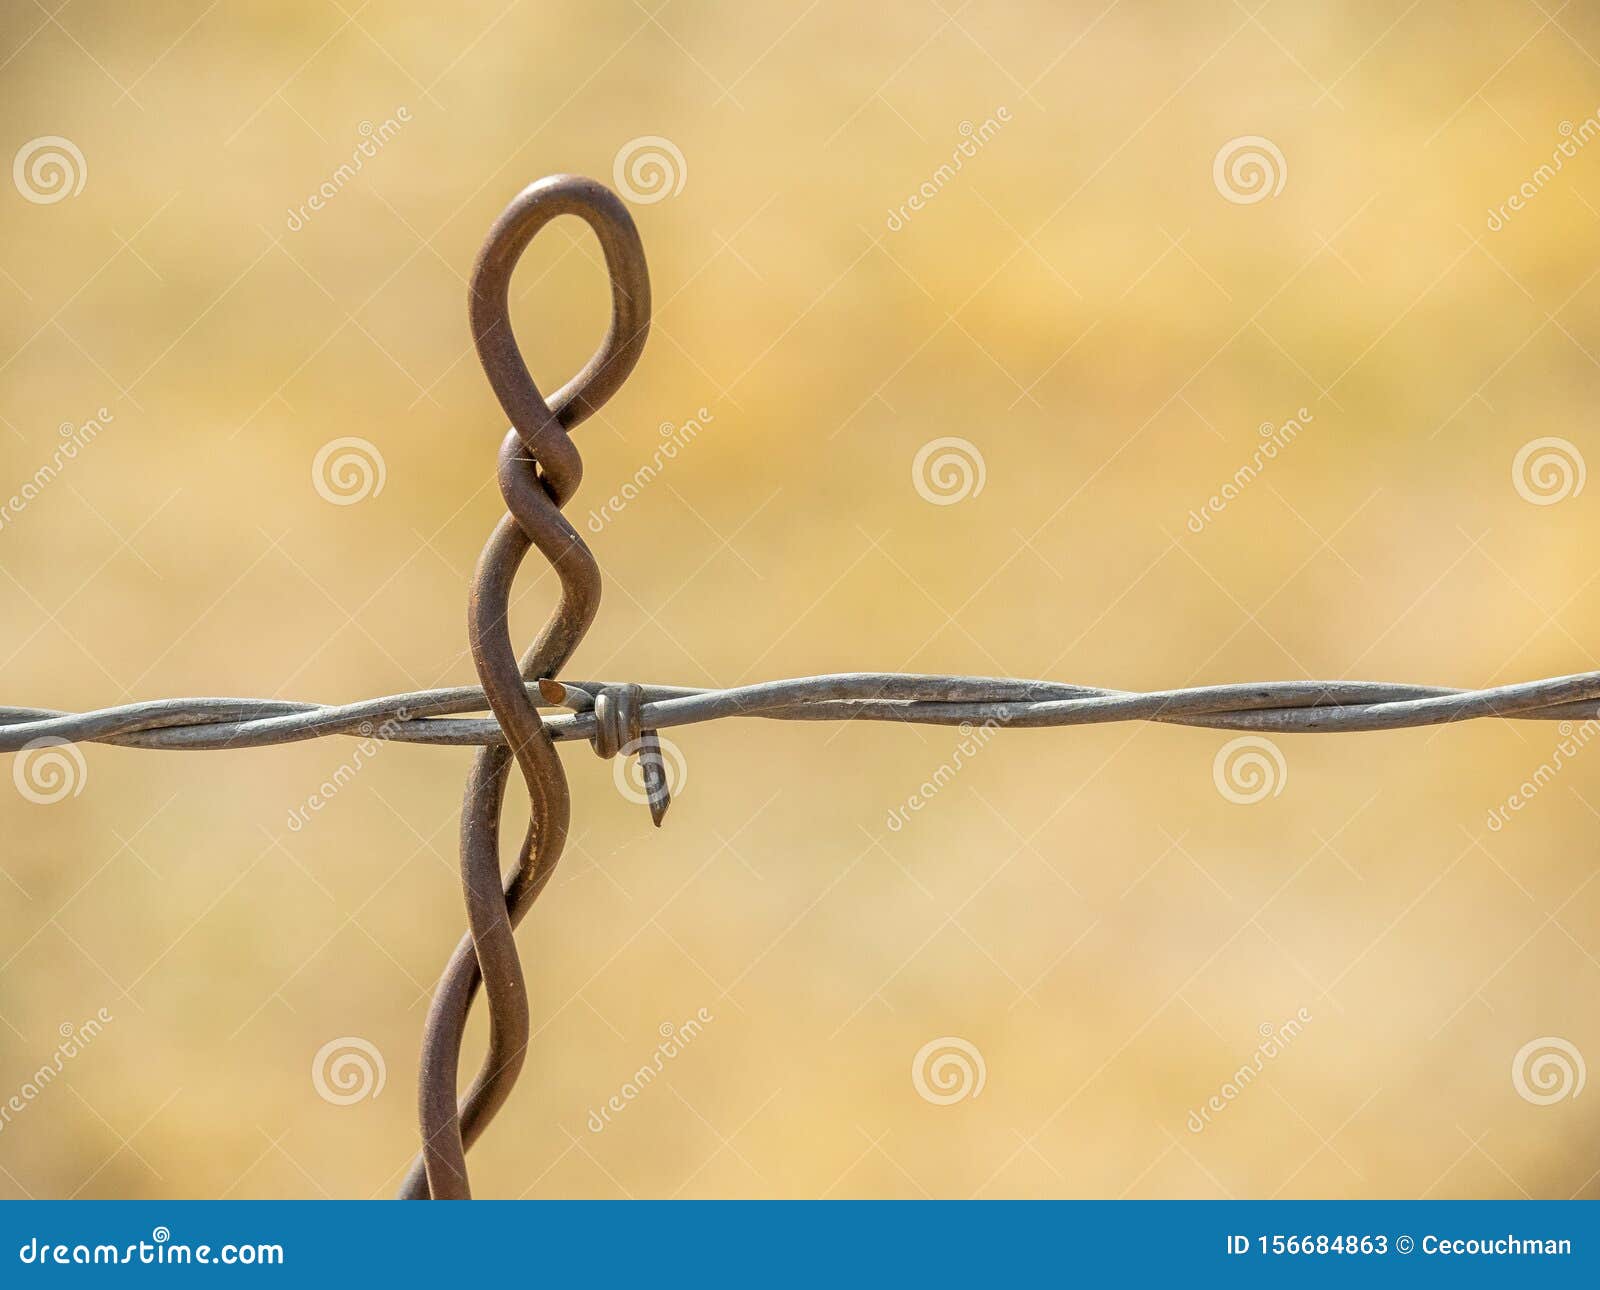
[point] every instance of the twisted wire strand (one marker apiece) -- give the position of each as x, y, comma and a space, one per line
539, 470
426, 716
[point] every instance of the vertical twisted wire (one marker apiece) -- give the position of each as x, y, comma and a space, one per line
539, 470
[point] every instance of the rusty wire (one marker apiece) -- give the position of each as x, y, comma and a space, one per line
539, 470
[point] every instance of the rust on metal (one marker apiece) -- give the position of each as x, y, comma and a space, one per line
539, 469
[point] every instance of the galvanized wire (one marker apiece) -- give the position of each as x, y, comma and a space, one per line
539, 470
424, 716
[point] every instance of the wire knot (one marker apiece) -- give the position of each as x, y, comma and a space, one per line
617, 712
618, 715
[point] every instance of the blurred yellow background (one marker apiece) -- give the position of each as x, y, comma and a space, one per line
1099, 304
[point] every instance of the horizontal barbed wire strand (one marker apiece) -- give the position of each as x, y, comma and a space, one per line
538, 470
430, 716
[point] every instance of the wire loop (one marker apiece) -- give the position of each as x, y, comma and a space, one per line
539, 469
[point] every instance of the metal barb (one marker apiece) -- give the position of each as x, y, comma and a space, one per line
653, 766
619, 731
424, 717
539, 468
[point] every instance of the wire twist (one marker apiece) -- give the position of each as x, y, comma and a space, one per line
539, 470
423, 717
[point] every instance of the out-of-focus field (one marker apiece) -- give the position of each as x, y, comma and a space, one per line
1085, 306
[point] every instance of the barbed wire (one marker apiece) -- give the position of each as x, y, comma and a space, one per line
538, 471
425, 716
